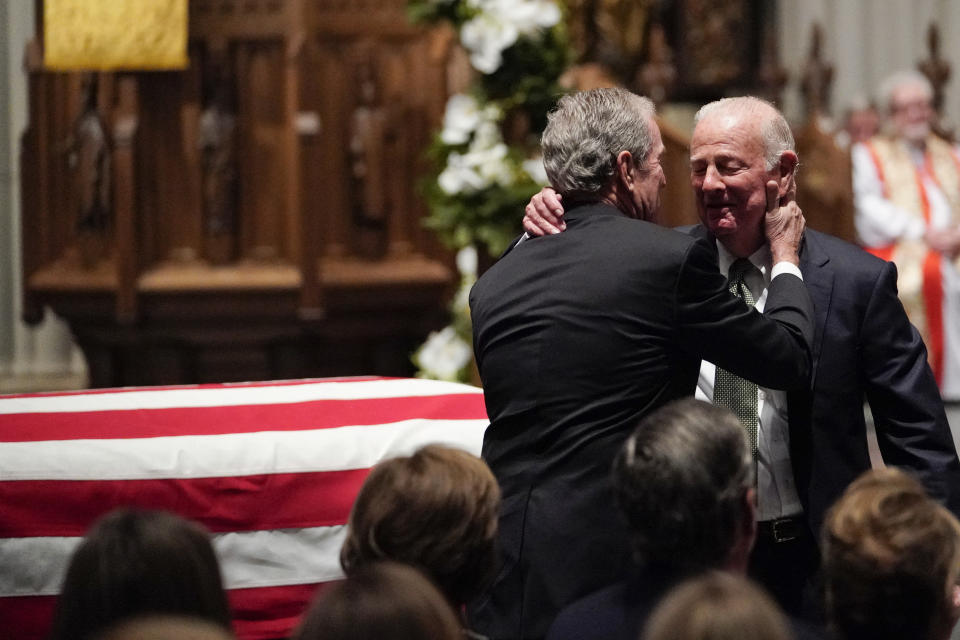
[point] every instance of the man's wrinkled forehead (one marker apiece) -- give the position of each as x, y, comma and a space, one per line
734, 133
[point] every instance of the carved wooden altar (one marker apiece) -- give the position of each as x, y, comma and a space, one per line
254, 216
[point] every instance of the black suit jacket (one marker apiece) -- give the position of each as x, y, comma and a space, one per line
620, 611
577, 336
864, 349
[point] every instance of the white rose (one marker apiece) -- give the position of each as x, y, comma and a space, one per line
526, 16
485, 36
492, 166
461, 117
486, 136
461, 175
444, 354
467, 261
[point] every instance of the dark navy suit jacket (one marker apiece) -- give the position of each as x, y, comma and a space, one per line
864, 349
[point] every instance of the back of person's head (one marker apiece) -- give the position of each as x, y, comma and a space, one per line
684, 481
717, 606
891, 558
437, 510
135, 562
381, 600
165, 628
587, 131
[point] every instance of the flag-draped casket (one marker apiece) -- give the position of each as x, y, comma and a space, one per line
271, 469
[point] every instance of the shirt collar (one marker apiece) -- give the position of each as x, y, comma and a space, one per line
761, 259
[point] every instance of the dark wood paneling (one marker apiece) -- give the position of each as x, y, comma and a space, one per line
246, 237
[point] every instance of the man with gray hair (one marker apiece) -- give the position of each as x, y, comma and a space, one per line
811, 442
577, 336
684, 482
906, 185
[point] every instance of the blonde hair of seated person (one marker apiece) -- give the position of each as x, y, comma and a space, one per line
891, 559
717, 606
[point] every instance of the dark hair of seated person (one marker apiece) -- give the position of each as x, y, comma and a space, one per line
717, 606
382, 600
435, 510
135, 562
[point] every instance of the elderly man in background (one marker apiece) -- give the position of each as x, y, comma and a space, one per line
578, 336
907, 199
812, 442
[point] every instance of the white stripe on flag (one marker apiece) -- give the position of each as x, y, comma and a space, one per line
234, 396
37, 566
234, 454
280, 556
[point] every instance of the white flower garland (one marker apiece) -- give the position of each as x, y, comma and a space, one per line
481, 159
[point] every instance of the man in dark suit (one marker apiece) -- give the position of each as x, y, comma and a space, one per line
579, 335
684, 480
812, 441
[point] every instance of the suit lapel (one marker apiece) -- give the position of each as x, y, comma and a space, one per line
819, 280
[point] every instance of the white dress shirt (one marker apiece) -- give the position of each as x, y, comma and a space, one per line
776, 491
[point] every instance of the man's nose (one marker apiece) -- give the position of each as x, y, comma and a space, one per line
711, 179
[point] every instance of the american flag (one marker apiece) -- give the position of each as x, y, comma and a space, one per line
271, 469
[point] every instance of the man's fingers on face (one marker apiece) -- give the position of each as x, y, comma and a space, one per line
791, 193
773, 196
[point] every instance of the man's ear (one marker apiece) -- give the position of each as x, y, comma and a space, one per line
787, 170
626, 171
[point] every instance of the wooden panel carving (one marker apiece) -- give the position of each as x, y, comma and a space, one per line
717, 45
253, 216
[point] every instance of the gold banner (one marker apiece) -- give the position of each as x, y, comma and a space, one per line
115, 34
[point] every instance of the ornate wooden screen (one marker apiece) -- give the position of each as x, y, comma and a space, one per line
254, 216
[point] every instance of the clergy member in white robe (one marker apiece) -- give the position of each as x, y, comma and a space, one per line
907, 201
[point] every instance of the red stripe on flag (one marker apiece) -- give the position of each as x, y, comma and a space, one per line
271, 612
182, 421
259, 614
239, 503
26, 618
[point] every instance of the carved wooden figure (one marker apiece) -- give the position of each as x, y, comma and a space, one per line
89, 159
217, 140
817, 78
937, 71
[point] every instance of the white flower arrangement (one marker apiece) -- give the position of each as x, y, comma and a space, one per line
447, 354
497, 25
482, 181
444, 355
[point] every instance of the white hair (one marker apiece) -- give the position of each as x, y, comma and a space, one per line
898, 80
776, 133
